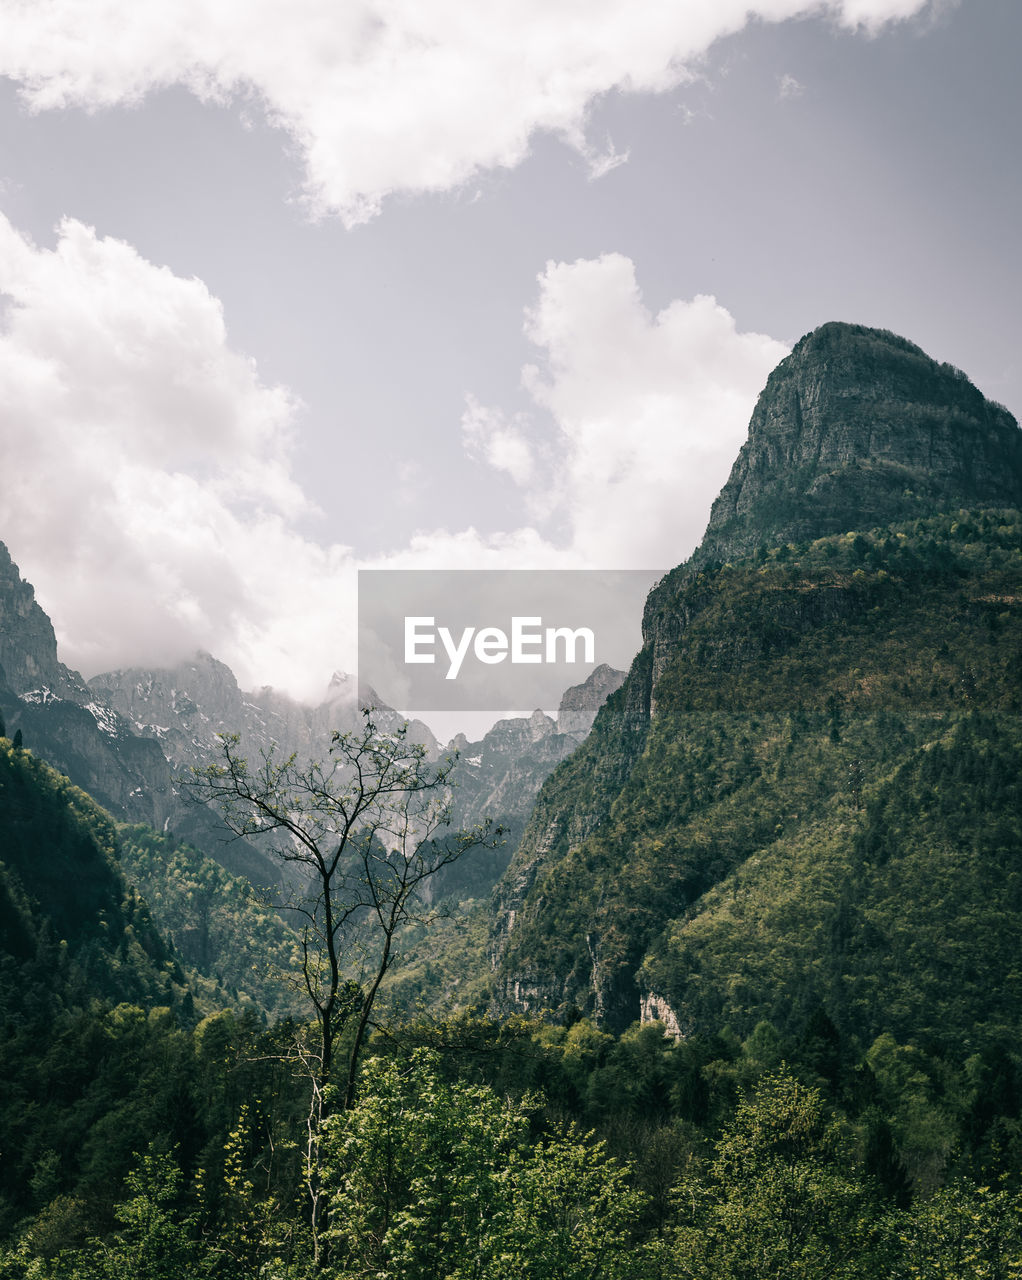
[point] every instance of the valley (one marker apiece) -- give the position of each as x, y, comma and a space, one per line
744, 956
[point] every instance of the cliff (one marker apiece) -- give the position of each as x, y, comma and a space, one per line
858, 428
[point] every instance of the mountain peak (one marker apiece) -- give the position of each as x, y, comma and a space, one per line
581, 702
28, 645
859, 427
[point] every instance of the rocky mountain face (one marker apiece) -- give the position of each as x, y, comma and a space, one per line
502, 773
62, 719
184, 708
28, 646
581, 702
131, 737
500, 776
857, 430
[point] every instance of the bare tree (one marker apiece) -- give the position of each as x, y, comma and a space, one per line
364, 830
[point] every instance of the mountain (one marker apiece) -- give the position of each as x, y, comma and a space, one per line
70, 885
858, 428
111, 1037
86, 732
131, 738
62, 892
76, 943
63, 720
186, 706
804, 796
499, 777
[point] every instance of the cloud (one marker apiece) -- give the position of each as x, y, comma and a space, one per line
789, 87
649, 411
385, 96
147, 488
147, 485
489, 436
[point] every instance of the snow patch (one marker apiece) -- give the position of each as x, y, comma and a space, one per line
106, 720
40, 696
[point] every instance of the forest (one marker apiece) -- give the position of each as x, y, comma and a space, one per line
841, 1097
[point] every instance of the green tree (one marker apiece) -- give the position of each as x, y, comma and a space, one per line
963, 1231
434, 1179
155, 1240
781, 1202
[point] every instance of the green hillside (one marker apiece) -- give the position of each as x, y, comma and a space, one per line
825, 809
91, 997
66, 910
222, 928
104, 1049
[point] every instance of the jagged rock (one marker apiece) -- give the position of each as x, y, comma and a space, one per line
654, 1008
581, 702
858, 428
184, 708
28, 645
65, 722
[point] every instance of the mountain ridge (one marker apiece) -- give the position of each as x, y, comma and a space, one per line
592, 884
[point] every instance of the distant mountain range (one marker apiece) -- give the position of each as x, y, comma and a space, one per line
131, 737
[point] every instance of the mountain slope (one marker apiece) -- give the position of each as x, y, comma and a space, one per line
63, 891
904, 914
771, 703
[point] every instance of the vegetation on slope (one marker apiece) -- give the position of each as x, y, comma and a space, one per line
217, 923
802, 684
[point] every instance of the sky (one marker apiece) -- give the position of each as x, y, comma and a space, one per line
290, 289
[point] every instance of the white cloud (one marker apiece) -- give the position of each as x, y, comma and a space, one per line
385, 96
147, 484
489, 436
650, 410
147, 488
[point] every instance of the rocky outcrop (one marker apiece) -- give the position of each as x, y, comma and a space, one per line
859, 428
654, 1008
63, 721
98, 751
581, 702
28, 645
